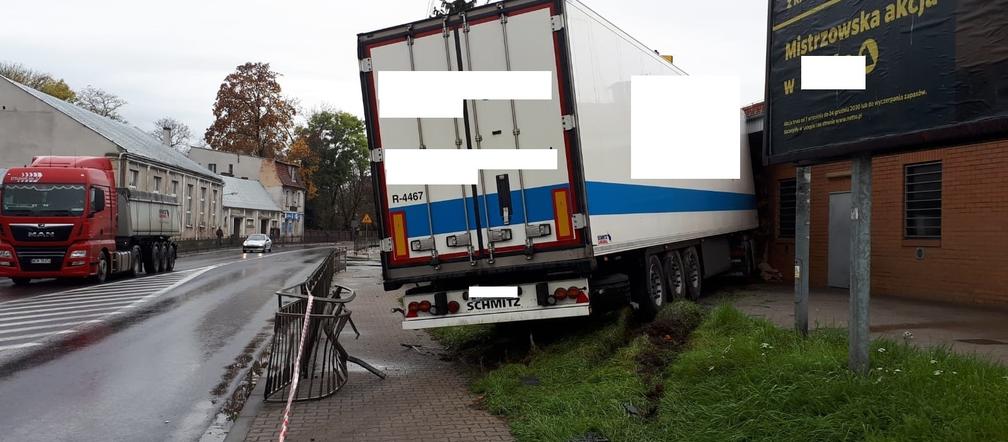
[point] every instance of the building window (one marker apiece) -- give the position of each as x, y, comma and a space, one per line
212, 167
134, 177
922, 203
290, 170
157, 184
213, 209
787, 197
174, 187
202, 205
189, 204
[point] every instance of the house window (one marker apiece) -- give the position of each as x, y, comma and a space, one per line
213, 209
212, 167
174, 187
922, 202
189, 205
157, 184
290, 170
134, 177
202, 206
786, 208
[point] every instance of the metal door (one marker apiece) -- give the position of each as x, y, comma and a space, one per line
838, 259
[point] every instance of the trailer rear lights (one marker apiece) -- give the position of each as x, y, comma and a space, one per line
560, 294
425, 306
411, 309
453, 307
578, 295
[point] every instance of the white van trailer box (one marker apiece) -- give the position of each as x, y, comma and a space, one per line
586, 208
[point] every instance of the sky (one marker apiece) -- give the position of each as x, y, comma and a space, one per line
169, 58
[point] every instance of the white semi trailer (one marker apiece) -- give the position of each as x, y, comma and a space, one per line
570, 239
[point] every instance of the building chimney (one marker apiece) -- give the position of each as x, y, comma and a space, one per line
166, 136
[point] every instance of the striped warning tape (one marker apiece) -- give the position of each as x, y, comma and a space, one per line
297, 370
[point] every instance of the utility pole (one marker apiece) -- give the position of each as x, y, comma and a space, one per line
860, 277
803, 179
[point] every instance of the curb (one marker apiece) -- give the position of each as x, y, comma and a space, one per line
237, 430
240, 427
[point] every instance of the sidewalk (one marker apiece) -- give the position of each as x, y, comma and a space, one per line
422, 399
981, 330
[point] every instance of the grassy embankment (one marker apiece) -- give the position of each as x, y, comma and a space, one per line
719, 376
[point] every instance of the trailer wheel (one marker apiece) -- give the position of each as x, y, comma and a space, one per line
170, 253
162, 257
103, 269
652, 289
155, 258
694, 275
136, 257
675, 274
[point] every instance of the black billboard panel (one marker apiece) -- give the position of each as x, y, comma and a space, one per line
936, 71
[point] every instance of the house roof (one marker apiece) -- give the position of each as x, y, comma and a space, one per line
753, 110
130, 139
247, 194
283, 171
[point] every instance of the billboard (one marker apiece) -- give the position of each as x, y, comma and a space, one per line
936, 71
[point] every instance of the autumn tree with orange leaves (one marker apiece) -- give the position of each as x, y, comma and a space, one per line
251, 115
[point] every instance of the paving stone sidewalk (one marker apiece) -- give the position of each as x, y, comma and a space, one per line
422, 399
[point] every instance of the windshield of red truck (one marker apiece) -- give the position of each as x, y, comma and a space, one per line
43, 200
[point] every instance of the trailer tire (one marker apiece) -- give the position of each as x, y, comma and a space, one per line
694, 273
652, 289
155, 258
170, 253
136, 259
675, 275
148, 259
103, 269
162, 257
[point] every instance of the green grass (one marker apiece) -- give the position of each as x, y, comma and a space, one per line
735, 378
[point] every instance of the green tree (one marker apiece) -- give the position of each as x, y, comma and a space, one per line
341, 166
251, 116
38, 80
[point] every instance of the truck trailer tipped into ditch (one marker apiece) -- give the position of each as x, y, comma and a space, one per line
571, 239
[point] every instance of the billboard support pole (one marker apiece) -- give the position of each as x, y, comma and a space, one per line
803, 183
860, 277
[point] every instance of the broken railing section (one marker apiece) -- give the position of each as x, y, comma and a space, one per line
323, 363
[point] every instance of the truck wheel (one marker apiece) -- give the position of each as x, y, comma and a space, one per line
21, 281
694, 275
675, 275
103, 269
155, 258
170, 257
137, 260
652, 290
162, 257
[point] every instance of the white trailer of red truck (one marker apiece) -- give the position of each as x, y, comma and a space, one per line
571, 239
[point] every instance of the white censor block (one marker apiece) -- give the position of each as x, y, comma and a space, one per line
477, 291
459, 166
685, 127
439, 94
833, 72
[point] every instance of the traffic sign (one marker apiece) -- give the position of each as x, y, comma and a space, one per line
367, 219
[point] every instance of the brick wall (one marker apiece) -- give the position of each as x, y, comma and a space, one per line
969, 264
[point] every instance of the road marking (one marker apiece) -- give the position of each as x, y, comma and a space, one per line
64, 312
14, 347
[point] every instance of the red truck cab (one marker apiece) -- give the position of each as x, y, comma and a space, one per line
58, 219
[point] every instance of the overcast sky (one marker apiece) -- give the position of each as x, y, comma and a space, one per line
169, 58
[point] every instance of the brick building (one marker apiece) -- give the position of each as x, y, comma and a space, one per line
939, 221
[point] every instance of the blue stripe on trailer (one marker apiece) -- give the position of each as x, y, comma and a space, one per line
603, 199
619, 199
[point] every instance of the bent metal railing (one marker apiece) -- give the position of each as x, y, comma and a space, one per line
323, 362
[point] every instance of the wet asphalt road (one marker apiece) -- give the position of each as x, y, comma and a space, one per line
149, 377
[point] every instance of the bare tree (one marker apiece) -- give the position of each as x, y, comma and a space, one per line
101, 102
180, 133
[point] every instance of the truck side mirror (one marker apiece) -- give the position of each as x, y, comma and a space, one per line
97, 200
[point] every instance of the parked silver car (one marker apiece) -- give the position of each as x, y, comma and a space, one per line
257, 242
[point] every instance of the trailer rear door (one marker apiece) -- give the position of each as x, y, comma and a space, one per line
509, 212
